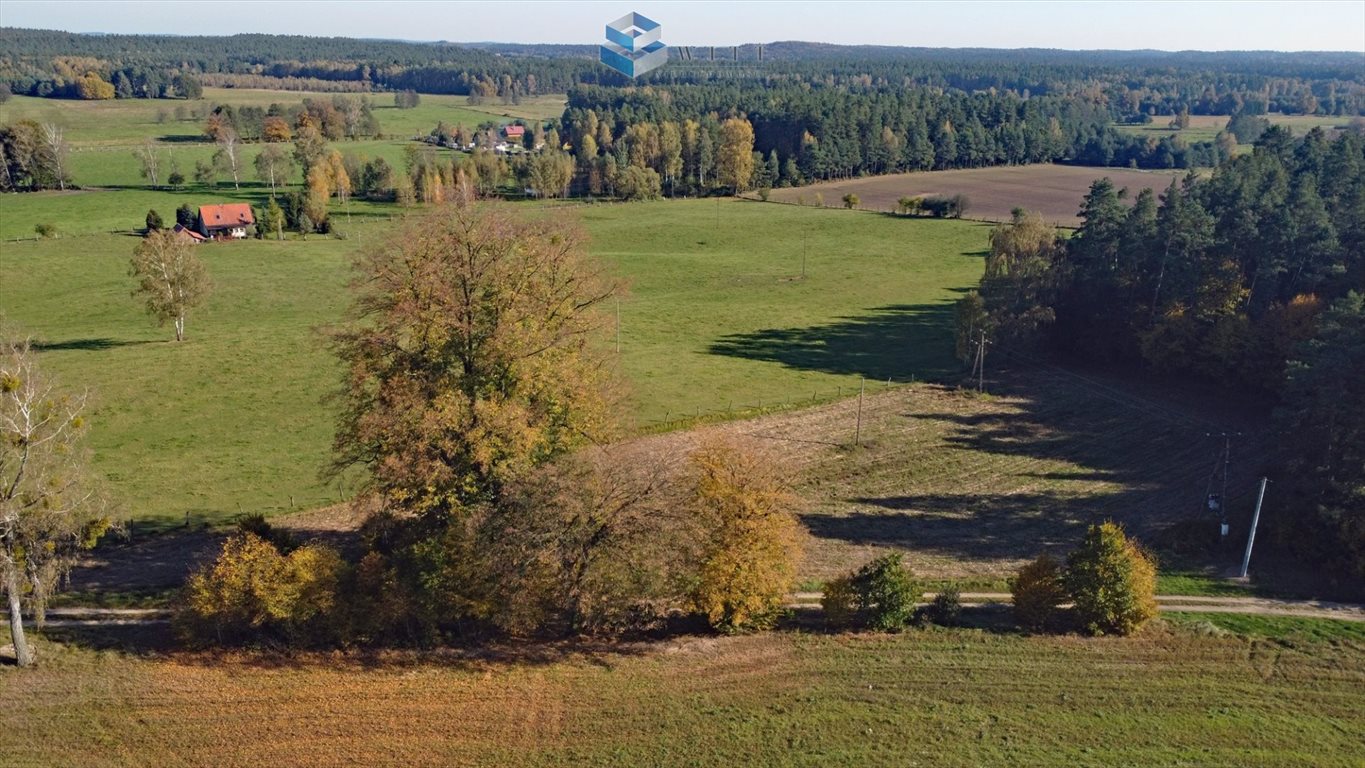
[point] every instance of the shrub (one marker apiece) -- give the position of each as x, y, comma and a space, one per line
839, 603
45, 230
749, 541
764, 193
154, 222
1037, 592
252, 592
256, 524
851, 201
886, 593
946, 609
1112, 581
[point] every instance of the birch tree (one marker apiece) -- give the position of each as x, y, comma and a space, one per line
56, 146
171, 278
49, 506
228, 154
273, 166
149, 160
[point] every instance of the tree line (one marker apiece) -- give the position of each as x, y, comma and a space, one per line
803, 135
1130, 84
1249, 281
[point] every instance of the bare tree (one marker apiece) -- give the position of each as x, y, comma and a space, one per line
49, 506
171, 278
227, 154
273, 165
151, 162
56, 145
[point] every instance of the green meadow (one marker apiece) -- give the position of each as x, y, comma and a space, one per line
717, 317
131, 121
1206, 127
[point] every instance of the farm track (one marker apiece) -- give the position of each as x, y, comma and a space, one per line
1259, 606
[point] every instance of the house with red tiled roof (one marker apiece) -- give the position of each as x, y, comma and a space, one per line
229, 220
514, 131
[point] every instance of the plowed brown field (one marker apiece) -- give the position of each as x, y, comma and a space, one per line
1055, 191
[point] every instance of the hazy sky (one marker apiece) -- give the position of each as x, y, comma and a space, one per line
1337, 25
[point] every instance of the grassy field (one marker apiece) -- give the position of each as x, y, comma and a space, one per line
1055, 191
971, 487
118, 122
963, 697
103, 134
1206, 127
233, 416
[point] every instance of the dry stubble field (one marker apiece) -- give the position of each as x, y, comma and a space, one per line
930, 698
971, 487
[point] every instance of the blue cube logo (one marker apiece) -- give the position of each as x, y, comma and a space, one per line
633, 47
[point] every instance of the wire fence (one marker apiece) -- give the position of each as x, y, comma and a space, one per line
751, 407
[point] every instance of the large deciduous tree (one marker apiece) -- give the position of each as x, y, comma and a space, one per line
49, 505
171, 278
470, 356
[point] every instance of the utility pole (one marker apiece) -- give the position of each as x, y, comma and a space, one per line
858, 430
980, 368
1251, 536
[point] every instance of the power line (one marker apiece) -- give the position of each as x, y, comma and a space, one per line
1124, 398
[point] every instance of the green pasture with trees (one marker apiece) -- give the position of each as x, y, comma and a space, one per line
716, 316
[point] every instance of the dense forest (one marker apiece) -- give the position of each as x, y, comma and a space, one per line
1129, 84
816, 111
808, 133
1250, 280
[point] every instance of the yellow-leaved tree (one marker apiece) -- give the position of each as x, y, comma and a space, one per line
751, 541
735, 155
1112, 581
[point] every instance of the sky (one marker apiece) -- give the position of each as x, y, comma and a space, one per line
1332, 25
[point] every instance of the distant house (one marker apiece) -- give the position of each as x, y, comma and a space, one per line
185, 233
229, 220
514, 131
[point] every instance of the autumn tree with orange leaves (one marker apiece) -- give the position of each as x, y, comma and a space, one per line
470, 356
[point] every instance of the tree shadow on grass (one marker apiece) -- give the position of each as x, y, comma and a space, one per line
87, 345
1029, 469
892, 342
159, 638
975, 526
